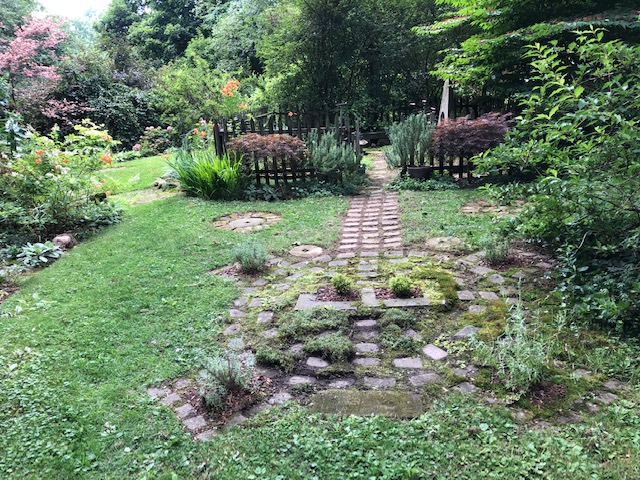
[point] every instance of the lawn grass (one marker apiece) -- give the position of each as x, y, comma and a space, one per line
437, 214
133, 175
135, 306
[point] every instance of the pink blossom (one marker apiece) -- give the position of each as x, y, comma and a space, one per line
169, 128
136, 147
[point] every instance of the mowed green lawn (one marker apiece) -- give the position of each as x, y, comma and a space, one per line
136, 305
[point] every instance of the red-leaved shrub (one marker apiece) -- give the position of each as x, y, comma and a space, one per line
267, 146
464, 138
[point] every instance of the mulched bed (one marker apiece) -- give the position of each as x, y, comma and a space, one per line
546, 393
6, 291
383, 293
329, 294
235, 402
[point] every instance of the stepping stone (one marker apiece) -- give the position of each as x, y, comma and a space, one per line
256, 302
365, 403
235, 421
206, 435
195, 423
299, 265
260, 282
366, 335
284, 263
306, 251
368, 297
407, 362
294, 277
322, 259
482, 270
344, 383
394, 253
235, 313
338, 263
434, 353
465, 387
232, 330
280, 272
240, 302
249, 290
615, 385
417, 253
366, 362
413, 335
370, 254
182, 383
279, 398
366, 324
350, 246
316, 270
297, 348
497, 279
156, 393
185, 410
488, 295
307, 301
300, 380
375, 382
466, 295
406, 302
346, 255
466, 332
424, 379
367, 347
367, 268
476, 309
265, 317
519, 275
368, 274
271, 333
582, 373
282, 286
606, 398
315, 362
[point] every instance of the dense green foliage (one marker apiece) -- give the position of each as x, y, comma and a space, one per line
410, 142
579, 134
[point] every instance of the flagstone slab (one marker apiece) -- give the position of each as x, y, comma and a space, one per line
434, 353
366, 403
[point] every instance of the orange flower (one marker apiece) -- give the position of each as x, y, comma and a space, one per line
102, 180
39, 152
195, 131
65, 160
106, 159
38, 160
106, 138
242, 106
107, 193
230, 88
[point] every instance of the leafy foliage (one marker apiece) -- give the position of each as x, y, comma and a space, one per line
579, 134
401, 286
202, 173
254, 145
436, 183
227, 374
465, 138
342, 284
297, 324
39, 254
335, 347
335, 161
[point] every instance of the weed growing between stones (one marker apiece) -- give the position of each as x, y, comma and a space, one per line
296, 325
496, 250
271, 357
402, 318
335, 347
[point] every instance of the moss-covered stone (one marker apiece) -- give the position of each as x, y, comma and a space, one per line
365, 403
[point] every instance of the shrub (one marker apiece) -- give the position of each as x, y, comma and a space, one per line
251, 256
579, 134
228, 374
47, 186
202, 173
335, 161
39, 254
156, 140
342, 284
401, 286
297, 324
464, 138
495, 249
254, 145
398, 317
519, 356
334, 347
410, 142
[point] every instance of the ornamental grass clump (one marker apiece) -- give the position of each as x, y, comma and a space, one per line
202, 173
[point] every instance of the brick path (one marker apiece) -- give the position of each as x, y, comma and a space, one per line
372, 223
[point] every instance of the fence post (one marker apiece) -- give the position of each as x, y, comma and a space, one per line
358, 147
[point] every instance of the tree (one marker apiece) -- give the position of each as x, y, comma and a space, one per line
13, 14
30, 62
489, 38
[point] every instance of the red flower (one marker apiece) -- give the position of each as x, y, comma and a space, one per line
38, 160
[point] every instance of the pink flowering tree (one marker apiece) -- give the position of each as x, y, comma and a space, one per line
28, 61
